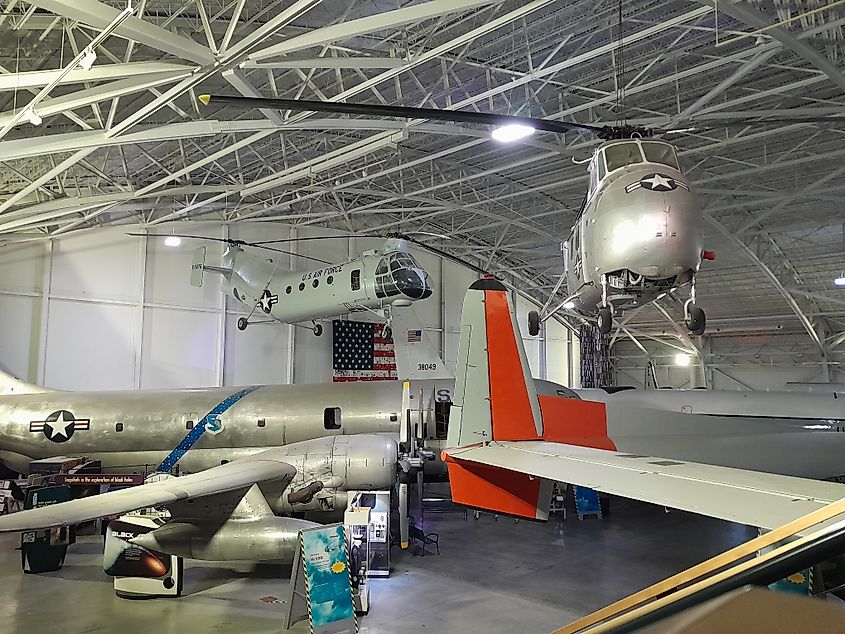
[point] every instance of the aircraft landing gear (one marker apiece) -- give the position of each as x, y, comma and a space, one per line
387, 332
605, 320
605, 313
533, 323
242, 323
318, 329
694, 317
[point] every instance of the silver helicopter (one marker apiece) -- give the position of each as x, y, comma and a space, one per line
376, 281
638, 235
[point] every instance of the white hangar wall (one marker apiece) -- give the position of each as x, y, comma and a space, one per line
104, 310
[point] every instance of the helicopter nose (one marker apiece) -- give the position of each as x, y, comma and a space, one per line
412, 283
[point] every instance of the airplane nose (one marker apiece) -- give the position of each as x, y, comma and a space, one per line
411, 283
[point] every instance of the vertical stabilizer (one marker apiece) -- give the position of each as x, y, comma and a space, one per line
416, 356
9, 385
495, 397
198, 267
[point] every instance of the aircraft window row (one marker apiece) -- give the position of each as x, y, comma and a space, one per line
660, 153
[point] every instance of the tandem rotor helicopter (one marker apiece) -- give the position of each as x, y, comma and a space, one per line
638, 235
376, 281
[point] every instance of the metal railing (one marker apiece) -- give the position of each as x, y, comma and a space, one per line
734, 568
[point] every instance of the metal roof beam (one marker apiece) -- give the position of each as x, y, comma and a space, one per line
742, 12
99, 15
369, 24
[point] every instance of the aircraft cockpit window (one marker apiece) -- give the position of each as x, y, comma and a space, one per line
662, 153
622, 154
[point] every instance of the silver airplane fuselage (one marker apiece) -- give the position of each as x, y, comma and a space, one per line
777, 432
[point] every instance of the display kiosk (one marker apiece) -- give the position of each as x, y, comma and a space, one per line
378, 533
140, 573
356, 522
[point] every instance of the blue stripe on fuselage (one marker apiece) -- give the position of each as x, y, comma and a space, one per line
199, 429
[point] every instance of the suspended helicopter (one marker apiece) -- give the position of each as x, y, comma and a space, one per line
377, 281
638, 235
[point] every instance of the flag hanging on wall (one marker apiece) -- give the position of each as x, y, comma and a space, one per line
360, 353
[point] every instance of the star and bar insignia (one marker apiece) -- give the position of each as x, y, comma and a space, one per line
657, 183
60, 425
267, 301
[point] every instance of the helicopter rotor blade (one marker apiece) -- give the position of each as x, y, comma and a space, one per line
232, 242
713, 124
401, 112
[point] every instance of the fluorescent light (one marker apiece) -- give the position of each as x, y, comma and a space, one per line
35, 118
512, 132
682, 359
569, 305
88, 59
840, 281
172, 241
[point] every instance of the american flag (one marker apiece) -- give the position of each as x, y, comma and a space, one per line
360, 353
414, 336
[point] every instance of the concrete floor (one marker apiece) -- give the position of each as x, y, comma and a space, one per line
496, 576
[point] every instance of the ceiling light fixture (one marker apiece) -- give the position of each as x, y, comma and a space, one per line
512, 132
34, 117
88, 59
682, 359
172, 241
840, 281
568, 305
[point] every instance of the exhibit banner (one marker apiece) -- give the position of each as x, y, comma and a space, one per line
320, 582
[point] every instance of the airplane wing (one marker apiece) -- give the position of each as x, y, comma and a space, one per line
748, 497
509, 444
238, 475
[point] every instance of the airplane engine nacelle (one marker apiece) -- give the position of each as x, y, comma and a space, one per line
262, 539
327, 469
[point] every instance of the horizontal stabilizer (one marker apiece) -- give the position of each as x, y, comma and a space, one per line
198, 267
748, 497
10, 385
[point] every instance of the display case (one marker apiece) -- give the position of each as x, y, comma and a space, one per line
378, 532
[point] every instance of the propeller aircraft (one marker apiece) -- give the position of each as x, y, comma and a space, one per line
638, 235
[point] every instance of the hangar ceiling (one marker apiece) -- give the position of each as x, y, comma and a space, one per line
128, 142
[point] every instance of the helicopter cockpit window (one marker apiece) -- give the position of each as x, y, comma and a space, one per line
622, 154
662, 153
399, 274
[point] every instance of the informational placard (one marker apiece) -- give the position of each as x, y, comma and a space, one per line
99, 479
320, 579
139, 572
45, 550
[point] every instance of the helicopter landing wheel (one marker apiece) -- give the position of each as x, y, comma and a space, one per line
533, 323
605, 320
242, 323
697, 320
318, 330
